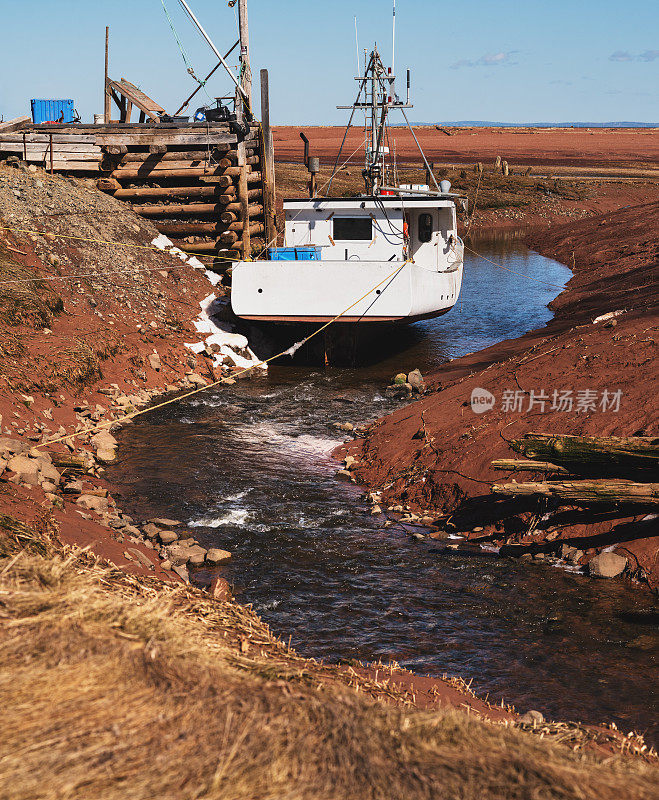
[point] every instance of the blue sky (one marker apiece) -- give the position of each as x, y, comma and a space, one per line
565, 60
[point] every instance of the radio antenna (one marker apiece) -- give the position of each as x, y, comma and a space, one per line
357, 46
393, 42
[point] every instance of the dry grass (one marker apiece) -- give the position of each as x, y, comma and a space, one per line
28, 301
118, 688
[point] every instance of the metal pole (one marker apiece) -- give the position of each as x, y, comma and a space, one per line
245, 70
208, 77
51, 153
212, 46
106, 94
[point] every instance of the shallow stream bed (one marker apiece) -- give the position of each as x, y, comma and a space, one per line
248, 468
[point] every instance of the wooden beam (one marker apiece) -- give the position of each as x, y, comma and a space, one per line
160, 173
200, 155
132, 96
513, 465
168, 191
14, 124
589, 453
183, 229
268, 155
173, 139
586, 492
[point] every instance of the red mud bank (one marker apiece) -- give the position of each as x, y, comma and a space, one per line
432, 458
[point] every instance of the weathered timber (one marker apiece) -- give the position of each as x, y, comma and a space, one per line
171, 139
175, 155
251, 177
590, 453
586, 492
204, 228
44, 138
107, 185
160, 173
229, 200
132, 96
157, 149
268, 159
115, 149
14, 124
70, 165
168, 191
71, 463
513, 465
203, 247
41, 147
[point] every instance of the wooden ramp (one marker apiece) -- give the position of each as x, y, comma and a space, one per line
126, 95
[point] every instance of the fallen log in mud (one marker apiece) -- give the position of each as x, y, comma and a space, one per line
591, 453
586, 492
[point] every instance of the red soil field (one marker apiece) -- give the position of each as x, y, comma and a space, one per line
583, 147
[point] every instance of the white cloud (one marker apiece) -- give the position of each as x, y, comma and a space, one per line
488, 60
625, 55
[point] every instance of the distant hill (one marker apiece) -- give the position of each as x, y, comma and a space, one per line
479, 123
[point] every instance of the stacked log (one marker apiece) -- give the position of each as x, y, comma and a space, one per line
185, 179
191, 190
607, 461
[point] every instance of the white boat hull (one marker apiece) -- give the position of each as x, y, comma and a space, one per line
358, 291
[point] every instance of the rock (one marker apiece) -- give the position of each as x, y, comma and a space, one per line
166, 564
220, 589
400, 390
427, 520
167, 537
400, 379
12, 446
376, 509
150, 530
351, 462
93, 503
154, 361
138, 555
571, 554
607, 565
197, 380
131, 530
48, 487
532, 717
164, 522
73, 487
47, 472
177, 554
196, 555
182, 572
415, 379
26, 469
344, 426
344, 475
217, 556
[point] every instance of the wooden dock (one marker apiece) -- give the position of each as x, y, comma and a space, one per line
186, 177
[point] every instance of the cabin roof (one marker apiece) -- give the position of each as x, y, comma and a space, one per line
371, 201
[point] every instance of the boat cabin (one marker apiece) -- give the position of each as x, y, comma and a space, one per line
383, 228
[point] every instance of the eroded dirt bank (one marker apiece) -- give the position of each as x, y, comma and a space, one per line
433, 457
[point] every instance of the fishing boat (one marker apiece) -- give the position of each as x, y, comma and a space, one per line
389, 255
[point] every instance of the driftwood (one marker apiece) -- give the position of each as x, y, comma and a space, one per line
586, 492
513, 465
588, 454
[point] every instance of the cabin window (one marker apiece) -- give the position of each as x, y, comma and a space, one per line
353, 229
425, 227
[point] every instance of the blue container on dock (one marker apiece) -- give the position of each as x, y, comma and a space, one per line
52, 111
303, 253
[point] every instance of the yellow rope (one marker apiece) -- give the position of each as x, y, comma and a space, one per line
134, 414
115, 244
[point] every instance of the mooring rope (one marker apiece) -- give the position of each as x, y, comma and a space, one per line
289, 351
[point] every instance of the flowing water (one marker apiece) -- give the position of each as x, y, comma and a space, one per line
248, 468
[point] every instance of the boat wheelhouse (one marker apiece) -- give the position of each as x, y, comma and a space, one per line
392, 254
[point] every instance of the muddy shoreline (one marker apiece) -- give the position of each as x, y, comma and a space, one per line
132, 361
445, 474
